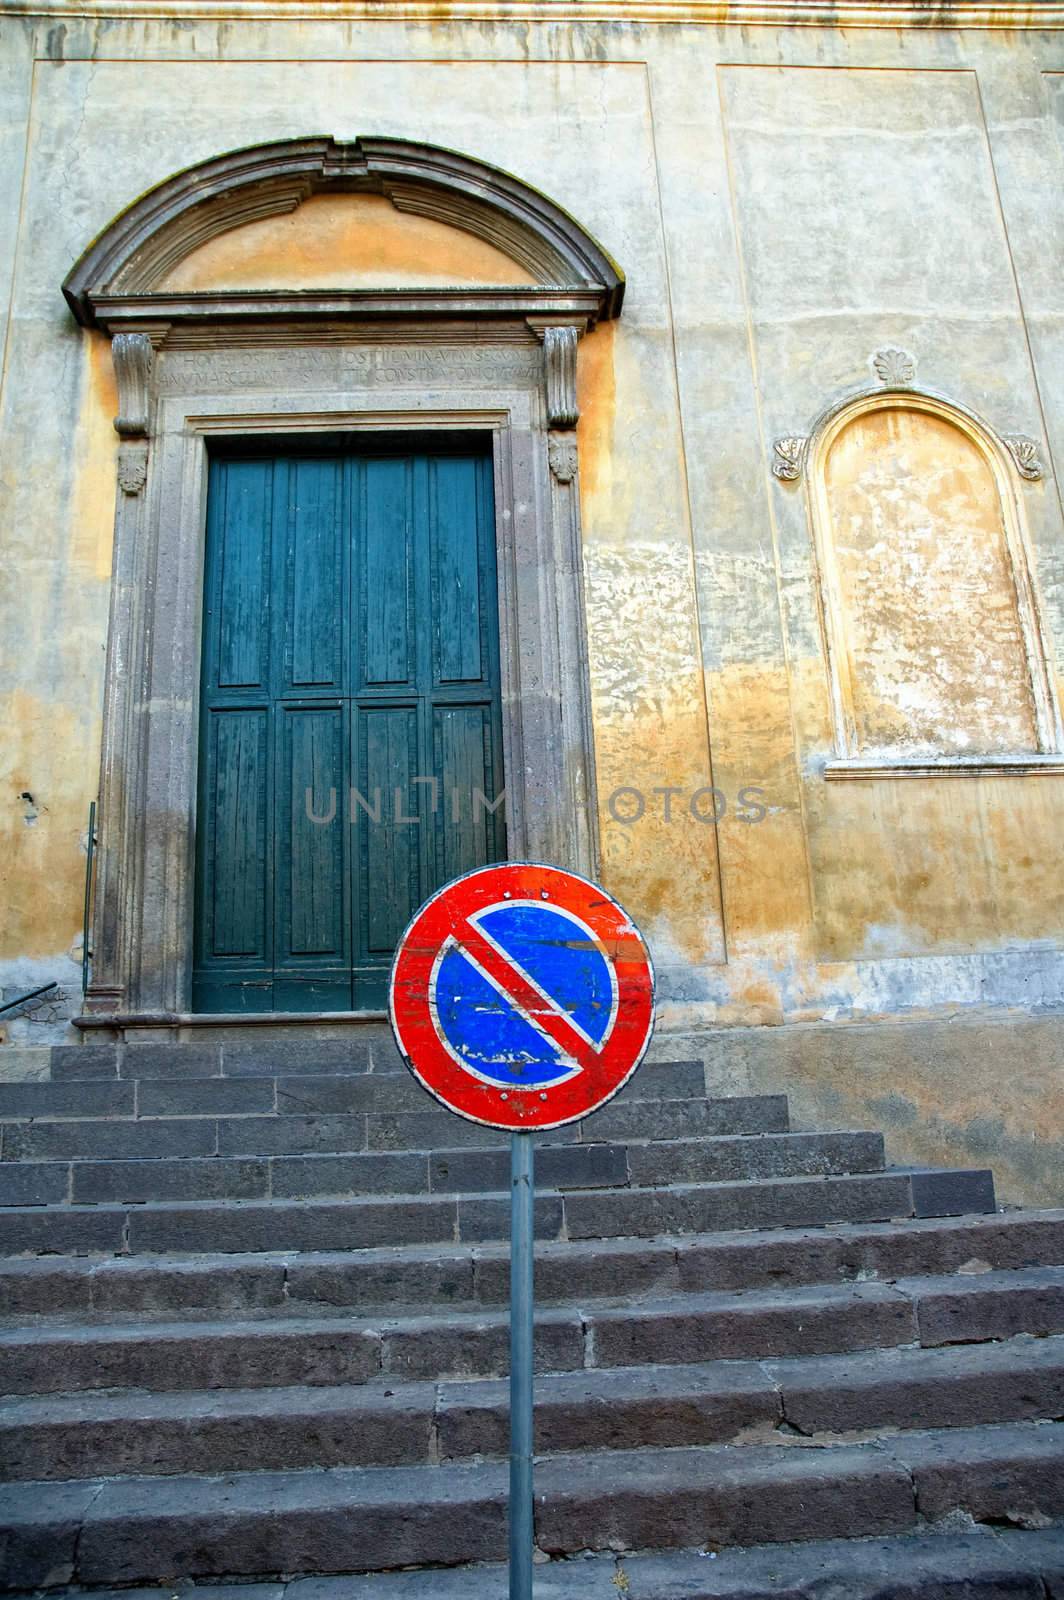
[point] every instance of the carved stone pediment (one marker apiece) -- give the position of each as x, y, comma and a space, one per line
123, 271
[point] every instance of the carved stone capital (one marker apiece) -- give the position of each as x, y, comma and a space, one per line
132, 466
559, 351
788, 457
561, 453
131, 354
1024, 452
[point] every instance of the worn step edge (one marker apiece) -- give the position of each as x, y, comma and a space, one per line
744, 1402
359, 1519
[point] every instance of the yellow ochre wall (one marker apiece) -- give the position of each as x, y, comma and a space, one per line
785, 202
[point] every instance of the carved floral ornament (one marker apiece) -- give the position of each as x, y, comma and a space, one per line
896, 372
561, 451
896, 369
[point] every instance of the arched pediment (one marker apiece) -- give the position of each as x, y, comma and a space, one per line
139, 256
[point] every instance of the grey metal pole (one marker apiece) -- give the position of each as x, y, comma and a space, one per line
522, 1182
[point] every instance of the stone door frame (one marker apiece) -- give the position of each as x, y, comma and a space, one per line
195, 366
490, 385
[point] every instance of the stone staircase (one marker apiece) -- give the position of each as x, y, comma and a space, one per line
255, 1333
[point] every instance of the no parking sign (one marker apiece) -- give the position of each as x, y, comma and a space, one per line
522, 996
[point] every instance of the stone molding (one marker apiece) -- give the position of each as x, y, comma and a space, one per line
1024, 452
792, 452
987, 766
158, 312
131, 354
788, 457
1047, 16
895, 369
120, 272
559, 349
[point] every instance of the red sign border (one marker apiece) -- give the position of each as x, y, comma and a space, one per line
456, 1089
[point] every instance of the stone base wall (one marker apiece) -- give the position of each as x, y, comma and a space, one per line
979, 1090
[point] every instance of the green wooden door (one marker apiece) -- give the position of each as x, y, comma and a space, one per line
350, 738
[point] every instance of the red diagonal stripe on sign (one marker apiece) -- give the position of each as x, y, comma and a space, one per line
525, 996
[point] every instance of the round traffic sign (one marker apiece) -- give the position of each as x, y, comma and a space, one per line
522, 996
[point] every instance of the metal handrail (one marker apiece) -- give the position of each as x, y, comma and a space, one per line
90, 853
9, 1005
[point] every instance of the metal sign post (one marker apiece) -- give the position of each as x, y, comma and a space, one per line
522, 997
522, 1318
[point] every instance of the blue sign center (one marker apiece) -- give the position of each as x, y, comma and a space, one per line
493, 1034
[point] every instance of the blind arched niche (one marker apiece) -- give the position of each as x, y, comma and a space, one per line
932, 625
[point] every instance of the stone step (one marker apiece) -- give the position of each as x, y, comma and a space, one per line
823, 1397
127, 1530
980, 1563
584, 1166
286, 1131
236, 1226
363, 1049
366, 1049
467, 1275
50, 1358
329, 1350
351, 1092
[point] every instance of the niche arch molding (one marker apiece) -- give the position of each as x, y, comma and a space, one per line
194, 367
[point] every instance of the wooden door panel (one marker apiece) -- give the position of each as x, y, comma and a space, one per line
350, 725
233, 925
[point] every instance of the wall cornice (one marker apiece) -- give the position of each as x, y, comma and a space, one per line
1000, 15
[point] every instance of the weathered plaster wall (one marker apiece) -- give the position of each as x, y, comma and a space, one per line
342, 242
784, 202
